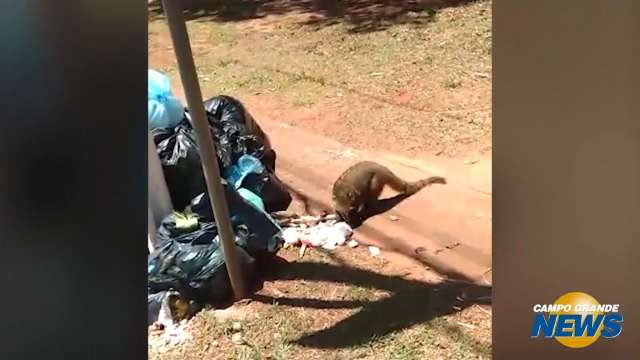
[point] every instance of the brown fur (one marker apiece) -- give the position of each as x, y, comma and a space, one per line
360, 186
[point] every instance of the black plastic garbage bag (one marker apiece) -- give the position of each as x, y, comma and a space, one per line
226, 108
274, 194
193, 263
255, 231
228, 128
263, 229
227, 112
178, 153
189, 257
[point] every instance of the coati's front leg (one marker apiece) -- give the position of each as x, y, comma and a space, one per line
355, 217
369, 197
351, 215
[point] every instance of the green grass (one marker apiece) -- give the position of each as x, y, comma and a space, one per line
433, 57
271, 330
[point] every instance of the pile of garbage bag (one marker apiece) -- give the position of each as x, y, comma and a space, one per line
240, 156
188, 257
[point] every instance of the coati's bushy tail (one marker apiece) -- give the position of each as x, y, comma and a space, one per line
413, 187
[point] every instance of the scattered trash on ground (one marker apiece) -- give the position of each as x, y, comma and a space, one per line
303, 248
237, 339
374, 251
285, 218
236, 326
313, 231
173, 335
468, 326
346, 154
352, 244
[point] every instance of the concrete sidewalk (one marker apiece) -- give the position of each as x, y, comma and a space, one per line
444, 227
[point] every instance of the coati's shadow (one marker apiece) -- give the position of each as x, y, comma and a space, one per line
377, 208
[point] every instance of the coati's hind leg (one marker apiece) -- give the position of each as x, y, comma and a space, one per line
376, 185
385, 176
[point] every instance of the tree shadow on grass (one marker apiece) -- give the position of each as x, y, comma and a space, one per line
361, 16
411, 303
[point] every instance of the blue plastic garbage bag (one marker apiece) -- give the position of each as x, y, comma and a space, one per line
246, 165
252, 198
164, 109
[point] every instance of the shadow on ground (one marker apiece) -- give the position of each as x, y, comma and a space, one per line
315, 206
411, 302
377, 207
360, 15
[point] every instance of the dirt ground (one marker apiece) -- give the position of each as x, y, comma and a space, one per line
411, 78
321, 307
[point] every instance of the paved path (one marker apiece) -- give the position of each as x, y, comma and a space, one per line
456, 215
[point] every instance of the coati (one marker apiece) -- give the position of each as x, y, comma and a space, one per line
358, 188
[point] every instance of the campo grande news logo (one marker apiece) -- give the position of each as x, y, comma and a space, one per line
576, 320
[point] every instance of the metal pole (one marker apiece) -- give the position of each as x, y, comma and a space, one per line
184, 56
